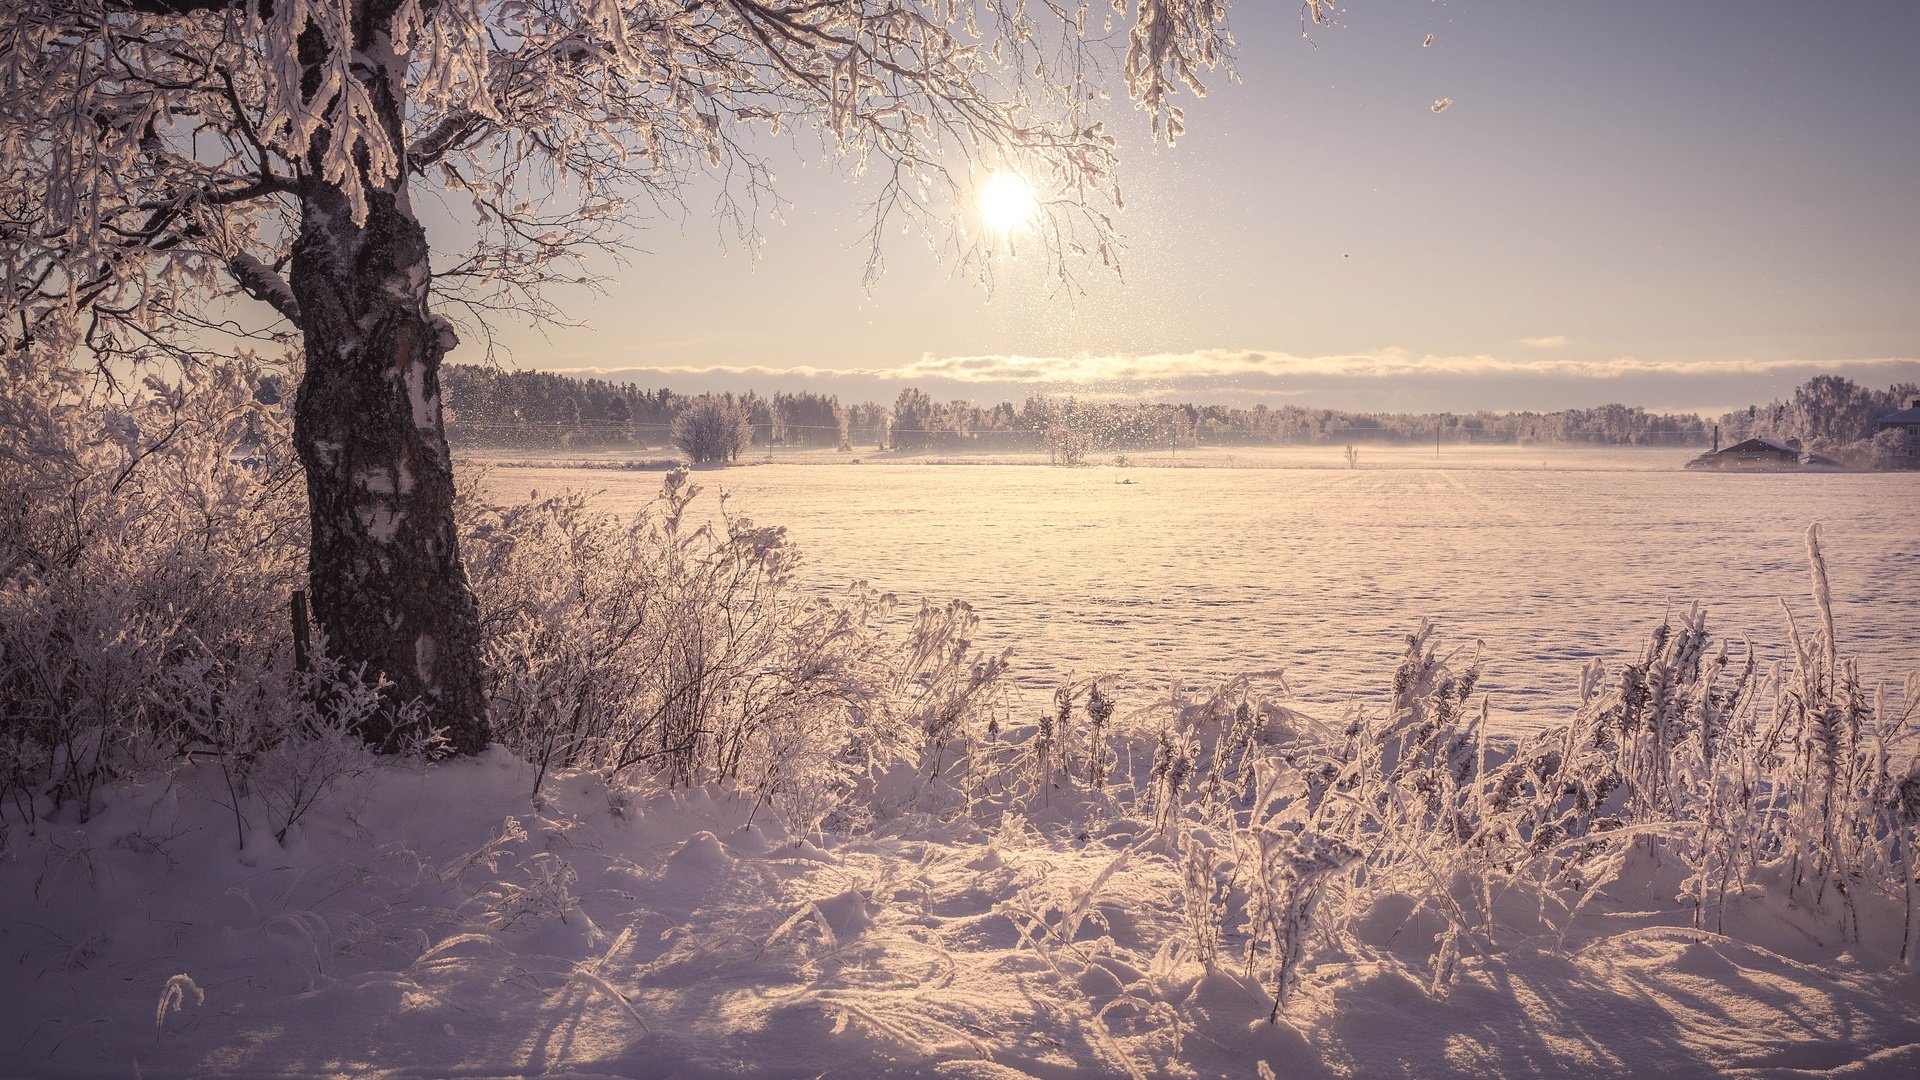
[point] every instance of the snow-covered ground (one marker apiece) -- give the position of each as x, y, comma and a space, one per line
1016, 917
436, 922
1247, 559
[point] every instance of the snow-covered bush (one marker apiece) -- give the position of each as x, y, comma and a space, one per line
147, 551
1894, 448
684, 647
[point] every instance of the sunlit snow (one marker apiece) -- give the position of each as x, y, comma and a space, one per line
1550, 556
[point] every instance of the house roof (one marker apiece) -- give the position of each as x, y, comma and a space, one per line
1904, 416
1757, 446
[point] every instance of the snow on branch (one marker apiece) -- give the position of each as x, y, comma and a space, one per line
144, 142
262, 282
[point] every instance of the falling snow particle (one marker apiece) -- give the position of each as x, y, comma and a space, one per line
1427, 43
1442, 105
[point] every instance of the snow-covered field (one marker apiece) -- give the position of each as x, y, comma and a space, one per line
1691, 879
1256, 560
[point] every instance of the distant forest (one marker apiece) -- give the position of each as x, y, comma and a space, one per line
542, 410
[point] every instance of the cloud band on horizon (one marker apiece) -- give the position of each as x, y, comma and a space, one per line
1392, 378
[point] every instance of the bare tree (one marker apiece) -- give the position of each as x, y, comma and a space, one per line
160, 156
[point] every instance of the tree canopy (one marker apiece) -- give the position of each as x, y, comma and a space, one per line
155, 151
160, 156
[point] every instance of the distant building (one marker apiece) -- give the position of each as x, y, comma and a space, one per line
1906, 421
1752, 454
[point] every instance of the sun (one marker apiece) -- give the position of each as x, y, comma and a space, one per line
1007, 203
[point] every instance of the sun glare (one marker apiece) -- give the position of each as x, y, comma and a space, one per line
1007, 202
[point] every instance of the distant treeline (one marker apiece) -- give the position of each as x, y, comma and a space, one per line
537, 409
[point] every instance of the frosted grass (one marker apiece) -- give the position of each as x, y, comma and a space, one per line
1289, 560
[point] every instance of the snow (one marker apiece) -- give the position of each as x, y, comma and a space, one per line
265, 282
445, 336
444, 920
436, 921
425, 414
1290, 560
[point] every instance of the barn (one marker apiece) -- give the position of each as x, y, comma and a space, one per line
1753, 454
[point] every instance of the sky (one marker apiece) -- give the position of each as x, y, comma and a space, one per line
1686, 207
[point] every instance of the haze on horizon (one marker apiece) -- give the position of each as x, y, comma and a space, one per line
1687, 208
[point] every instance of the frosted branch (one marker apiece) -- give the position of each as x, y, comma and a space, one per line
262, 282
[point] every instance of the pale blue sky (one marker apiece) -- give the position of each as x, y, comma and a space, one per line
1678, 205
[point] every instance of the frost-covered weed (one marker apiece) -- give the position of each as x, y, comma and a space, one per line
1173, 762
1698, 756
1203, 896
940, 684
1905, 811
1099, 714
1049, 912
1044, 745
1287, 869
1063, 757
1688, 755
543, 890
685, 649
174, 997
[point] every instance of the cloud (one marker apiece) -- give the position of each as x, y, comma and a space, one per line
628, 374
1217, 364
1551, 341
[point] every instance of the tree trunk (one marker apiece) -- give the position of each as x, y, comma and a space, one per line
388, 587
